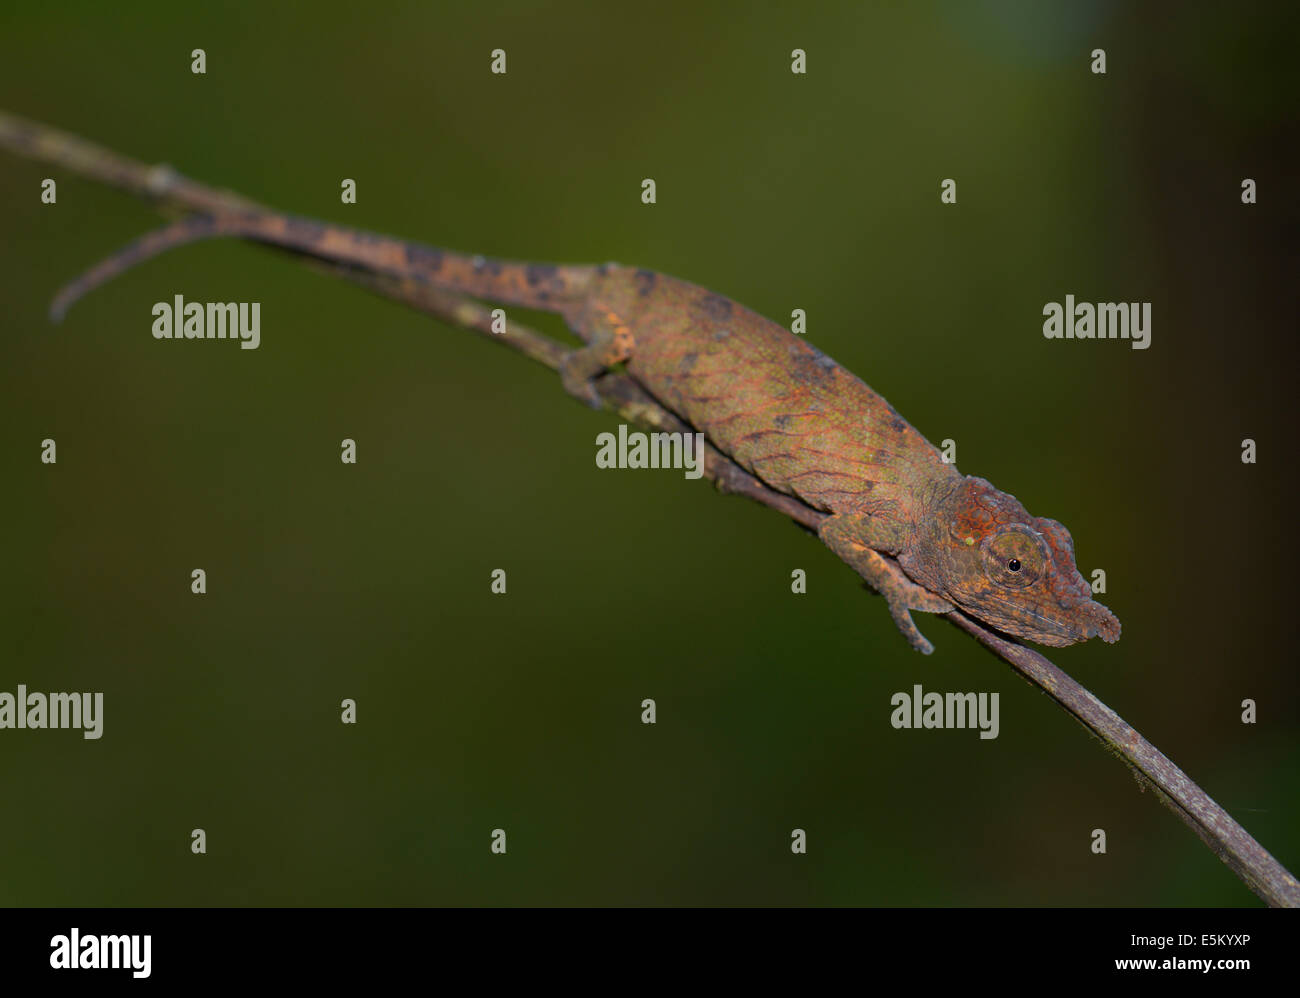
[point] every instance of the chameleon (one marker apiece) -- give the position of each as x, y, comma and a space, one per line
920, 533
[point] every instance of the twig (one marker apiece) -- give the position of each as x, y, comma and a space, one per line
1225, 837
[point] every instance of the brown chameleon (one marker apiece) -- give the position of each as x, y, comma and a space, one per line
776, 406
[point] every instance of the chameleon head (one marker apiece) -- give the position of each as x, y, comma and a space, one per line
1011, 570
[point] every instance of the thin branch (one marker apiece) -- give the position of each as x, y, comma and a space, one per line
168, 189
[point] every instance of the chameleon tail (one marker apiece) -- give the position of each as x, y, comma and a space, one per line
188, 230
530, 285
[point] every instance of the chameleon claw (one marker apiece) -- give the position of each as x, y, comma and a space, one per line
903, 618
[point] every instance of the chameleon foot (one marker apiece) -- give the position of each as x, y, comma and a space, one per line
900, 610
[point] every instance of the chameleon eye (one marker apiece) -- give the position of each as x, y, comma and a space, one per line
1014, 557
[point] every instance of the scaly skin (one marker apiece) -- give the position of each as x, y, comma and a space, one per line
775, 405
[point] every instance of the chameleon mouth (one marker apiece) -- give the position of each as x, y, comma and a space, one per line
1052, 629
1056, 627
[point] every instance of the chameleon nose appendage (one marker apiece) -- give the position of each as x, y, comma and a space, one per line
1097, 621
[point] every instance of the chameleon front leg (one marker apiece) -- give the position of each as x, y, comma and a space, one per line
848, 535
609, 342
577, 368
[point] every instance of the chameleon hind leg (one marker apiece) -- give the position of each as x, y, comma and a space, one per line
609, 342
847, 536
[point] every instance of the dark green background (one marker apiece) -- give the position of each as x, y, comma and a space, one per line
781, 191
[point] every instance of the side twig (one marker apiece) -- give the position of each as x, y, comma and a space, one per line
170, 190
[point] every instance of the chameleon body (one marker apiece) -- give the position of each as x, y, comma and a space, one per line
767, 399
